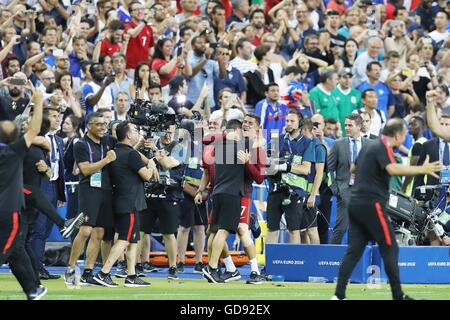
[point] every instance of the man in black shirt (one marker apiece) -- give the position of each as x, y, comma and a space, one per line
92, 154
367, 209
12, 153
15, 103
128, 173
228, 190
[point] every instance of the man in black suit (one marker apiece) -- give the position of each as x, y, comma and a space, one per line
438, 150
343, 155
53, 189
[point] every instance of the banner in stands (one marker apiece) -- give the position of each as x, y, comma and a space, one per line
419, 264
317, 263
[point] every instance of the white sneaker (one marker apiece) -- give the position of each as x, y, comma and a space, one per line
336, 298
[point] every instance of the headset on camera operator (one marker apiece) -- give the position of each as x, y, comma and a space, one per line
288, 186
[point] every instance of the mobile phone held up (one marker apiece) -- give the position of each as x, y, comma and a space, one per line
17, 81
179, 51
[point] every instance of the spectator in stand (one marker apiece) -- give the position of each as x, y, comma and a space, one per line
240, 12
218, 20
139, 87
392, 60
377, 118
321, 97
258, 22
350, 53
337, 5
399, 41
374, 45
332, 25
78, 55
121, 82
386, 100
351, 18
168, 65
242, 62
115, 40
272, 112
441, 34
97, 93
348, 99
228, 77
204, 70
258, 79
141, 43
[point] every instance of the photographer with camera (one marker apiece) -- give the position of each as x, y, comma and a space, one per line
166, 194
287, 190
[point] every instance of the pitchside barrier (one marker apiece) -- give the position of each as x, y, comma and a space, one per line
314, 263
320, 263
419, 264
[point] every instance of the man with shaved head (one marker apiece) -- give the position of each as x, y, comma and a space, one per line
12, 203
367, 207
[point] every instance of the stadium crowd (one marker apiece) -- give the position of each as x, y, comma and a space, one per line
295, 89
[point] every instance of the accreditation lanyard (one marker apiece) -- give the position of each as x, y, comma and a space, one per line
96, 178
90, 151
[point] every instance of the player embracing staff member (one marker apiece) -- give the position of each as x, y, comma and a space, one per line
12, 153
92, 155
367, 207
128, 174
254, 164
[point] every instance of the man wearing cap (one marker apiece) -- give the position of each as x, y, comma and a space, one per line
347, 98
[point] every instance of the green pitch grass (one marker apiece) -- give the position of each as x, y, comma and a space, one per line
192, 289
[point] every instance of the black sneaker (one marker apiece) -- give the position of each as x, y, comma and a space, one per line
180, 267
105, 279
405, 297
139, 268
198, 267
41, 291
87, 279
69, 277
135, 282
173, 273
255, 278
121, 269
231, 276
45, 275
149, 268
212, 275
71, 224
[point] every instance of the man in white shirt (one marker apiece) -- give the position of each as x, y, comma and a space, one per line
121, 107
378, 119
374, 46
441, 33
242, 61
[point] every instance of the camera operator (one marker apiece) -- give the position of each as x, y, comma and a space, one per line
164, 201
127, 175
288, 191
